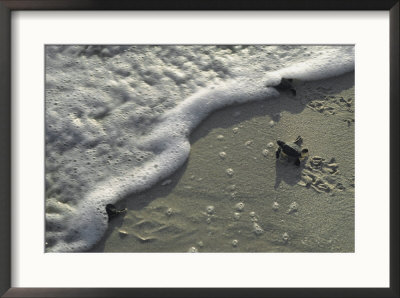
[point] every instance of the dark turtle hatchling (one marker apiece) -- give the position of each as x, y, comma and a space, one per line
292, 151
286, 84
113, 212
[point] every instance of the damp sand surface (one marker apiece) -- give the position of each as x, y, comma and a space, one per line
233, 195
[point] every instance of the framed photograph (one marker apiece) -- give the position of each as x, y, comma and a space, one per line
199, 149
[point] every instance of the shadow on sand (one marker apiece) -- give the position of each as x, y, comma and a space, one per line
285, 171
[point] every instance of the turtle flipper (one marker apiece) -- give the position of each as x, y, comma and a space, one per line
278, 152
299, 140
297, 162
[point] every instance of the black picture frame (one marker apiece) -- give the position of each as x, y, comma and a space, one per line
6, 7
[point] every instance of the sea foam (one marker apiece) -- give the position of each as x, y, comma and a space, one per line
76, 219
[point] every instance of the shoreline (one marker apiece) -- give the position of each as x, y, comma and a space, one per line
198, 207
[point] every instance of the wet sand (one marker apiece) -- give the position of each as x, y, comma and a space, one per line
233, 195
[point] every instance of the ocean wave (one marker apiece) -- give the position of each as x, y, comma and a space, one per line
119, 122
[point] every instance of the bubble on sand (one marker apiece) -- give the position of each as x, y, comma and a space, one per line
257, 229
272, 123
248, 143
275, 206
236, 215
235, 130
222, 154
293, 207
230, 172
270, 145
169, 212
265, 152
210, 209
285, 237
193, 249
231, 187
253, 216
235, 242
239, 206
220, 137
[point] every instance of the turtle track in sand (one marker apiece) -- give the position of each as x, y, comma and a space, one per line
334, 104
321, 175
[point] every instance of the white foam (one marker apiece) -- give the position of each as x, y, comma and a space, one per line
163, 141
330, 63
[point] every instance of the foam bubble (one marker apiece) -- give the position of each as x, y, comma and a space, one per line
275, 206
235, 242
257, 229
248, 143
293, 207
231, 187
229, 172
210, 209
285, 237
169, 212
193, 249
222, 154
239, 206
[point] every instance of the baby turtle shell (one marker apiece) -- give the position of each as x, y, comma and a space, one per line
292, 150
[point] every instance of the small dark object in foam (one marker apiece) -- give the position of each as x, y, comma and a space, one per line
292, 150
113, 212
286, 84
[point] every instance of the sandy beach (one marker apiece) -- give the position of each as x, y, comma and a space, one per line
233, 195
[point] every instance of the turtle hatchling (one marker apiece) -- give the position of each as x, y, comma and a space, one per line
112, 211
292, 151
286, 84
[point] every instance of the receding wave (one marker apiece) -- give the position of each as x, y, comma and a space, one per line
119, 123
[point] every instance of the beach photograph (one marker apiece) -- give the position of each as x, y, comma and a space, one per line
199, 149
